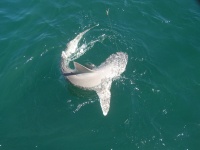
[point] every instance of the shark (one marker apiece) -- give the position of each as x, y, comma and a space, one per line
98, 79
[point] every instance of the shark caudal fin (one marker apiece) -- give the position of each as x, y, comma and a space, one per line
81, 69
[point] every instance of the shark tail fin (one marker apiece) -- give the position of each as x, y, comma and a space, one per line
81, 69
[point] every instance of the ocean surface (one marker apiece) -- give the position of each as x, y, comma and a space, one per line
155, 103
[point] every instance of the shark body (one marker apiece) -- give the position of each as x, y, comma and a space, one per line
98, 78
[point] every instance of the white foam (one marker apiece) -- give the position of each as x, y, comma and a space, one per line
74, 54
29, 60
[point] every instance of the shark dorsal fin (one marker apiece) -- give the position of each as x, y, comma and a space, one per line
81, 69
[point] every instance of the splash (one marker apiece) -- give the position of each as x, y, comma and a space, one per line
84, 48
72, 51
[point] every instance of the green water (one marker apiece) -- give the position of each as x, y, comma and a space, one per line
155, 104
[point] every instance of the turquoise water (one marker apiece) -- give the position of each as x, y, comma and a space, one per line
155, 104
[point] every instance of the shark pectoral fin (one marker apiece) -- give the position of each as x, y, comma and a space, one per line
81, 69
104, 96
